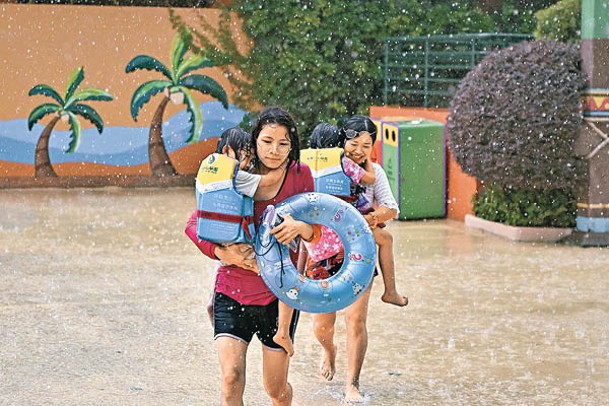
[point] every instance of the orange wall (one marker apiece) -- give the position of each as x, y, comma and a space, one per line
460, 187
46, 43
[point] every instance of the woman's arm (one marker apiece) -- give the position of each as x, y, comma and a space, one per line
387, 207
206, 247
241, 255
380, 215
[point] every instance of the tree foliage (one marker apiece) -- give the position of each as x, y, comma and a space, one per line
515, 116
323, 59
560, 22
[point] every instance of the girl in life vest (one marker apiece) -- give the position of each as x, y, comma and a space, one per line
225, 190
337, 175
225, 193
326, 256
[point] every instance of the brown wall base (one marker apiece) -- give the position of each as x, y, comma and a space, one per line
68, 182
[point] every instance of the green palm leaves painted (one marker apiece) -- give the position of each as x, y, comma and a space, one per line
67, 109
177, 88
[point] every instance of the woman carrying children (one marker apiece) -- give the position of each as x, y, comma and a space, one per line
357, 138
243, 305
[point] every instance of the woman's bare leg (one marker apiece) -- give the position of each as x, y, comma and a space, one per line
356, 317
232, 354
384, 239
275, 366
323, 327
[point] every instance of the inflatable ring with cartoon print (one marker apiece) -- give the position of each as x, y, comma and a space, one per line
312, 295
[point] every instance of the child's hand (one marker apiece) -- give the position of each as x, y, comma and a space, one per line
287, 230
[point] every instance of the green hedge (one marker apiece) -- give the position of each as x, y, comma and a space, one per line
534, 208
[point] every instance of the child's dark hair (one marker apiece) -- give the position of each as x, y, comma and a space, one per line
236, 138
356, 125
325, 135
279, 116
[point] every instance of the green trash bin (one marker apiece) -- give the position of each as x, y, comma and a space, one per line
415, 162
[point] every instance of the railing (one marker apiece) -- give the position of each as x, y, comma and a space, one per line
425, 71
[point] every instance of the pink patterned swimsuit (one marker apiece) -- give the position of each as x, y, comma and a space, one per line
329, 244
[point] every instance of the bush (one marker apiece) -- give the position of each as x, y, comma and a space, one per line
520, 207
560, 22
515, 117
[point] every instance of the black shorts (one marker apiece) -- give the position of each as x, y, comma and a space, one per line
232, 319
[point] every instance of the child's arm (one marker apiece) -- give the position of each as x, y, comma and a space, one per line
358, 174
273, 177
253, 185
369, 177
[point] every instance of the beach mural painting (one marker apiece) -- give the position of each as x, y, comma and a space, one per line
66, 109
177, 89
132, 117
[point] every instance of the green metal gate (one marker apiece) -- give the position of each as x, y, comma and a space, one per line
425, 71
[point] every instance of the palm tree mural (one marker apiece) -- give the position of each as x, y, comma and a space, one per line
177, 89
67, 109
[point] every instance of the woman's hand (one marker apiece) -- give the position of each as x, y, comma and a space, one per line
241, 255
372, 219
380, 215
290, 229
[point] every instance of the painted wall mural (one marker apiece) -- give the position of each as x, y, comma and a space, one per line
177, 89
66, 109
131, 115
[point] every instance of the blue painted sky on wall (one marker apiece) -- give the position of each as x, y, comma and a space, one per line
120, 146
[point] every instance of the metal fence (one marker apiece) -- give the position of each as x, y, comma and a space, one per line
425, 71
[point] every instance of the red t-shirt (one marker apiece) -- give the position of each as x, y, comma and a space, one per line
247, 287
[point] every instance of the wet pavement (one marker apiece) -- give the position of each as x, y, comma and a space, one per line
102, 303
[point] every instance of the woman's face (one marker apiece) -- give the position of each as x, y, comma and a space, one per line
273, 145
359, 148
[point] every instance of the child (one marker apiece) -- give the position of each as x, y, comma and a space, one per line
326, 256
359, 135
235, 143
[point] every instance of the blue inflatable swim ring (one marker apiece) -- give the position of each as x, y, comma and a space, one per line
311, 295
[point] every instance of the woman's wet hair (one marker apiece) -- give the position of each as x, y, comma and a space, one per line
325, 135
357, 124
236, 138
278, 116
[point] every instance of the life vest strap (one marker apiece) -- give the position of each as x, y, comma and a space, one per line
348, 199
244, 221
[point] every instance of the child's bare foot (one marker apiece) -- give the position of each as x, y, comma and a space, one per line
284, 340
395, 298
328, 364
352, 394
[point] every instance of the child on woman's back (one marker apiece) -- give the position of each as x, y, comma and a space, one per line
326, 256
235, 143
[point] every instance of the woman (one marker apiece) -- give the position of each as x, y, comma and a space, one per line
359, 135
243, 305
